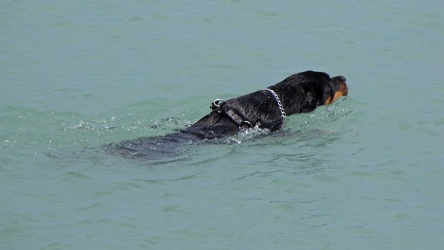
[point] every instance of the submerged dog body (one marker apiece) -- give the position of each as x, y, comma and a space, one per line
265, 109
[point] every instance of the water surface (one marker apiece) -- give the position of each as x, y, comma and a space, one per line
364, 173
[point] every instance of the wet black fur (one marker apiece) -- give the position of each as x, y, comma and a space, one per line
299, 93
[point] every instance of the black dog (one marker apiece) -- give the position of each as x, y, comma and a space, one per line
266, 109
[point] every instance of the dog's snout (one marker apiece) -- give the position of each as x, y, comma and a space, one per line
339, 87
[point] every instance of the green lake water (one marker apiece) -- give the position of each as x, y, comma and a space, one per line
364, 173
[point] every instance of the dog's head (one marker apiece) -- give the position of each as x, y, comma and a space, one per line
305, 91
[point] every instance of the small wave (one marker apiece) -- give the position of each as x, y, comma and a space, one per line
243, 135
321, 116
